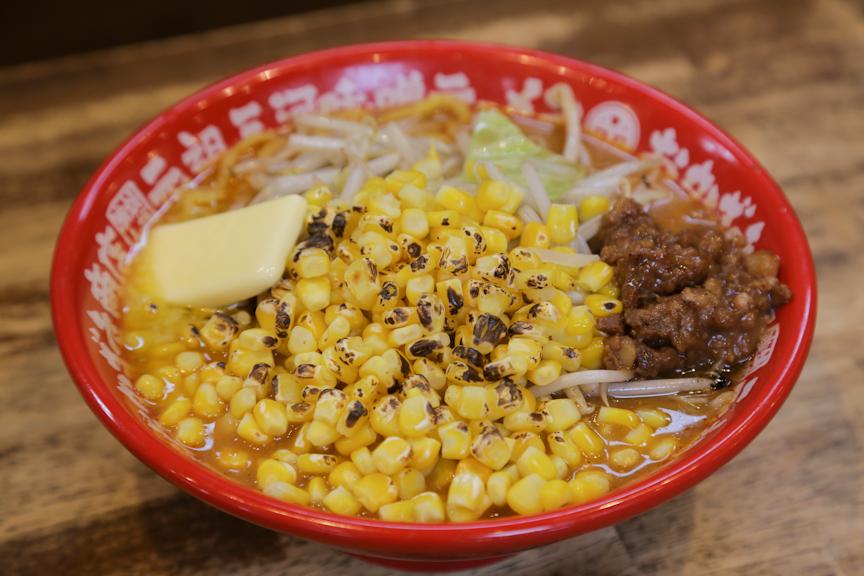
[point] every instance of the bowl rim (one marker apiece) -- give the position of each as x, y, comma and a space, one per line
382, 537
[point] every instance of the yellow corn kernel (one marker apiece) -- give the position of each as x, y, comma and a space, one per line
375, 490
287, 493
321, 434
466, 491
619, 416
428, 507
318, 489
534, 461
151, 387
401, 336
410, 482
524, 440
593, 206
569, 358
624, 458
535, 235
562, 221
312, 263
271, 470
397, 512
524, 421
301, 340
191, 382
206, 401
242, 402
653, 417
417, 287
385, 204
639, 435
361, 279
314, 322
340, 500
413, 197
509, 224
317, 463
555, 494
384, 418
594, 276
441, 474
589, 485
601, 306
241, 361
191, 432
397, 179
546, 372
392, 455
188, 361
588, 441
473, 402
496, 240
364, 436
416, 417
362, 459
271, 418
248, 430
338, 329
344, 474
497, 486
561, 414
524, 496
233, 458
318, 195
227, 387
561, 301
562, 446
314, 293
415, 223
493, 194
592, 354
300, 444
662, 448
444, 219
610, 289
514, 201
176, 411
454, 199
431, 371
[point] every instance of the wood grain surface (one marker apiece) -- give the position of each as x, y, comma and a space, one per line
786, 78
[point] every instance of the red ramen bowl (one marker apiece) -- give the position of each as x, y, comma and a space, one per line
137, 178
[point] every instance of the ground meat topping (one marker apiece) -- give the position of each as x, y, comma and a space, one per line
692, 300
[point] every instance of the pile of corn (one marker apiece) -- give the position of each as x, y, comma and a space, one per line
388, 373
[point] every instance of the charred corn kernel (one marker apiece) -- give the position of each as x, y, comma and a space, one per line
589, 485
561, 414
524, 496
562, 446
233, 458
441, 474
410, 482
151, 387
430, 312
298, 412
490, 449
493, 194
191, 432
392, 455
466, 491
662, 448
523, 421
176, 411
242, 402
321, 434
265, 314
594, 276
535, 235
523, 441
424, 453
524, 259
344, 474
271, 470
338, 329
364, 436
509, 224
494, 268
514, 201
592, 354
188, 361
450, 293
601, 306
317, 463
351, 418
562, 221
428, 507
329, 406
624, 458
496, 240
241, 361
653, 417
415, 223
555, 494
375, 490
534, 461
397, 179
416, 417
287, 493
314, 322
455, 440
569, 358
206, 401
402, 511
619, 416
431, 371
593, 206
384, 418
417, 287
219, 330
361, 279
546, 372
312, 263
588, 441
444, 219
248, 430
639, 435
314, 293
497, 486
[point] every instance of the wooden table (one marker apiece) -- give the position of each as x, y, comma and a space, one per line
787, 78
